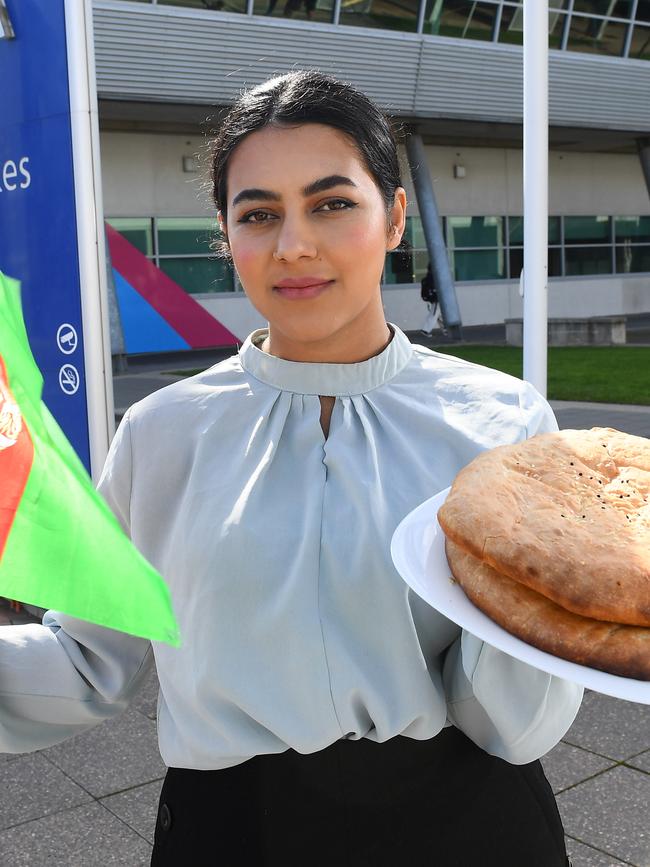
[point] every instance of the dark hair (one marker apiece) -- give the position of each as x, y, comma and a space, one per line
307, 97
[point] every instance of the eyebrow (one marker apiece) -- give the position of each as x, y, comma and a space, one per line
255, 194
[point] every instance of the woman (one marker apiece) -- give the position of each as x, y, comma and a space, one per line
317, 713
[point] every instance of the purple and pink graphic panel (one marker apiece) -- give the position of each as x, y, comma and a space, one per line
157, 314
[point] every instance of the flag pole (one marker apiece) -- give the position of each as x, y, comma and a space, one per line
535, 276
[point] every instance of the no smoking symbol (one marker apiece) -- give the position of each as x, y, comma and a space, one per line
69, 378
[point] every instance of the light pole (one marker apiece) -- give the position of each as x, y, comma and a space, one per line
535, 276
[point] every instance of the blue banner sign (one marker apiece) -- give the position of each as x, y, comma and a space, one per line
38, 223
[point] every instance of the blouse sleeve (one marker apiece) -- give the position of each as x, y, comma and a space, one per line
507, 707
65, 676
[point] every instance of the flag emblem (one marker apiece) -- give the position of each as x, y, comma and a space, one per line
61, 547
16, 456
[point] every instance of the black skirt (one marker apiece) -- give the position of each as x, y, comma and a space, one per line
442, 802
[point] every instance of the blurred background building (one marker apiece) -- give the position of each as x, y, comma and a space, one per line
450, 72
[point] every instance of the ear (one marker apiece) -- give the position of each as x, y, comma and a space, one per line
222, 224
397, 218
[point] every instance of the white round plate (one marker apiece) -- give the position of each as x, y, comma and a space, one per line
418, 552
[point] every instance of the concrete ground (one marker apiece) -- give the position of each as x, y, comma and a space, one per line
92, 800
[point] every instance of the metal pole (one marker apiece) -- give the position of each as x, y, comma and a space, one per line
535, 277
433, 234
643, 145
90, 229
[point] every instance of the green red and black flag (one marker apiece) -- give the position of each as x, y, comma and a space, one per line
61, 547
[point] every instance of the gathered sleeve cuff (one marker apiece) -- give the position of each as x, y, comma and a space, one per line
507, 707
62, 677
65, 675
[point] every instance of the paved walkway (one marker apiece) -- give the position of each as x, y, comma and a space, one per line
92, 800
629, 418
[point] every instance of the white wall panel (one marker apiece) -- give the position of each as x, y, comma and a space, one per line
486, 303
143, 176
480, 303
483, 190
237, 314
594, 183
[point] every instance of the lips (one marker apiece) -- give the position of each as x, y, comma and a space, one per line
302, 288
301, 282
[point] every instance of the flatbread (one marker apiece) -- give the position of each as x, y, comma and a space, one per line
611, 647
567, 514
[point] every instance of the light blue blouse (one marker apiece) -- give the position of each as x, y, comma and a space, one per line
275, 542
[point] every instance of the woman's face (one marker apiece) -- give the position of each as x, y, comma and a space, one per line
303, 207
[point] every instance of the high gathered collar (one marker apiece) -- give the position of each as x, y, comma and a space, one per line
325, 378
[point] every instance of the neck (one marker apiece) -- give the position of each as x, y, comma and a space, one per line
356, 341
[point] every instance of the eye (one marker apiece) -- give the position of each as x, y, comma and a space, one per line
260, 217
344, 202
247, 217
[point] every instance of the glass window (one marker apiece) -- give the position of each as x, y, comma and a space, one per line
608, 8
511, 29
640, 44
588, 260
199, 275
465, 232
420, 264
179, 235
460, 19
214, 5
597, 35
512, 25
556, 25
634, 229
409, 263
554, 261
554, 230
304, 10
516, 230
643, 11
182, 250
632, 259
399, 266
517, 262
478, 264
475, 231
415, 233
136, 230
586, 230
387, 14
405, 266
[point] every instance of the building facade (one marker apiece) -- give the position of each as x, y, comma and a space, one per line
448, 71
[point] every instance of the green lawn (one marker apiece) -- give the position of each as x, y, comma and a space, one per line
603, 374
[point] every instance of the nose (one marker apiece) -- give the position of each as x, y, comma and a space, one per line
295, 240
